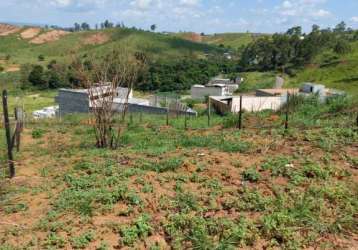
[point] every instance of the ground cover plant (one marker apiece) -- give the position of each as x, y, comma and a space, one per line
207, 187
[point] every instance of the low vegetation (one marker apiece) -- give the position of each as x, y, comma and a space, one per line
201, 188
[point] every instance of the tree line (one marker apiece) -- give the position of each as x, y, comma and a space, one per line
293, 49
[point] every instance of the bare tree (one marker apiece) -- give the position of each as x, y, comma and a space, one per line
102, 76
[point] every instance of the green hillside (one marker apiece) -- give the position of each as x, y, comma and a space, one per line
229, 40
233, 40
332, 70
154, 44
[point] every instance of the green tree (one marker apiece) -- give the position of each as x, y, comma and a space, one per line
153, 27
342, 47
36, 77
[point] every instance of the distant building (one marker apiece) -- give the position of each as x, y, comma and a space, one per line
215, 87
199, 92
228, 56
78, 101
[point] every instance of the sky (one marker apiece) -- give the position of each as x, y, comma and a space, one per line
208, 16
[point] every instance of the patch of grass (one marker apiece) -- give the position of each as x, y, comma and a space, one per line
20, 207
251, 175
163, 166
38, 133
140, 230
82, 241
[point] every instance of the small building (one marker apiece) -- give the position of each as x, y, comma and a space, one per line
200, 92
78, 101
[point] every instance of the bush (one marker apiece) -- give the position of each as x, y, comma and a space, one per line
41, 58
2, 68
36, 76
37, 133
251, 174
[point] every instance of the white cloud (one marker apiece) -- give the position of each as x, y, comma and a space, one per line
354, 19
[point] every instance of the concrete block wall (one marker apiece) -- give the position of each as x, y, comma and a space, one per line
72, 102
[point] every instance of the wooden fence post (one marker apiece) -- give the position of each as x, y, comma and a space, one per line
141, 117
240, 113
209, 111
167, 116
287, 110
8, 134
185, 120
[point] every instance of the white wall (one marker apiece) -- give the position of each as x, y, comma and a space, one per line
255, 103
199, 93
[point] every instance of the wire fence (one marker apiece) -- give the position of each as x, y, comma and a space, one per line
288, 117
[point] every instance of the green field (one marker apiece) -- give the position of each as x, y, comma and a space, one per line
208, 187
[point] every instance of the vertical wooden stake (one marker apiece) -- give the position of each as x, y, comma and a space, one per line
209, 111
240, 113
186, 120
141, 117
287, 110
167, 116
8, 134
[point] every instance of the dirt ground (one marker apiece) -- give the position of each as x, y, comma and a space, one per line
30, 33
6, 29
96, 39
49, 36
44, 188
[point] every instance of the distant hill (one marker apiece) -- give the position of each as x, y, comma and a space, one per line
25, 44
229, 40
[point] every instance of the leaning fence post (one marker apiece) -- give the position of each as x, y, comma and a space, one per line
287, 110
240, 113
8, 134
209, 111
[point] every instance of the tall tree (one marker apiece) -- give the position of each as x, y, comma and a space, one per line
153, 27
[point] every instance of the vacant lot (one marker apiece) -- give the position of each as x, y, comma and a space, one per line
212, 188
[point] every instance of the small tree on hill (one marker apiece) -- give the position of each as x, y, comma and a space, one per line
36, 77
153, 27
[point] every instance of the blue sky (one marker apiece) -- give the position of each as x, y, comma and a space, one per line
209, 16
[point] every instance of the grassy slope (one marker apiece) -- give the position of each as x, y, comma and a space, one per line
340, 74
234, 40
156, 45
211, 189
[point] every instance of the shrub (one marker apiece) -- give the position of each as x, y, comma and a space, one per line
140, 230
37, 133
41, 58
83, 240
251, 174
